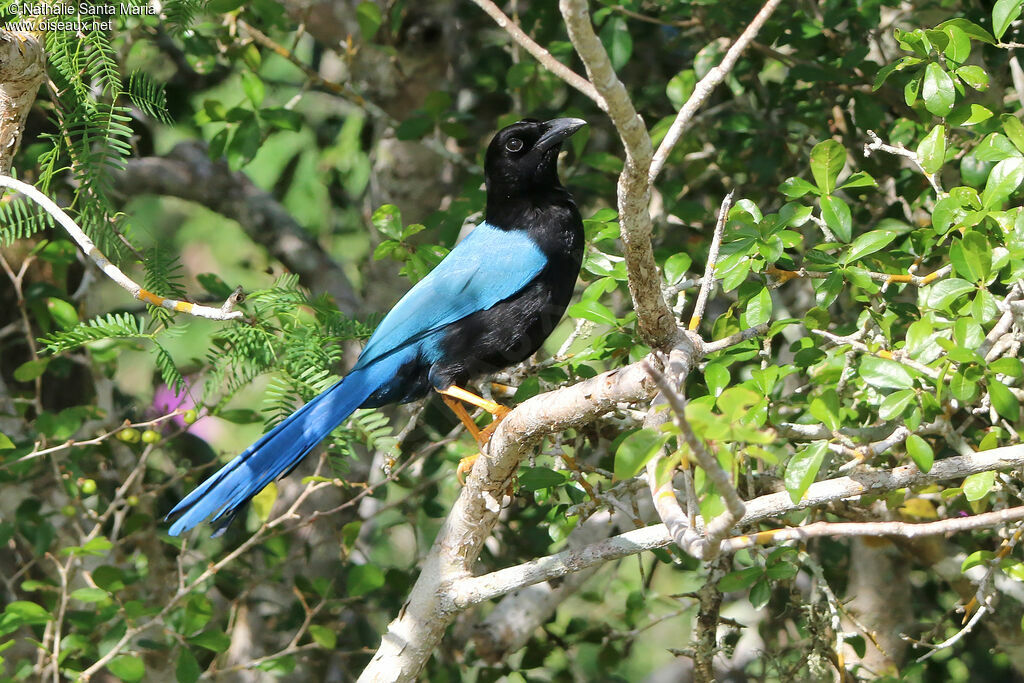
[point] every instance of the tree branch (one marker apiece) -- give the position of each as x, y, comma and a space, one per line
539, 53
225, 312
655, 320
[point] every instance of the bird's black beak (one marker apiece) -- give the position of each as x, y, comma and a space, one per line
557, 130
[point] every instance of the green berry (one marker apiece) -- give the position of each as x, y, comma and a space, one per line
150, 436
128, 435
189, 417
88, 487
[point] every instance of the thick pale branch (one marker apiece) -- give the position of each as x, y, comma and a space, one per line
655, 319
411, 637
705, 86
470, 591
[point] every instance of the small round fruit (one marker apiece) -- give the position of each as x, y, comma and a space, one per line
88, 487
150, 436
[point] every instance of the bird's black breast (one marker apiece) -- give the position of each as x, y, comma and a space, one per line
513, 329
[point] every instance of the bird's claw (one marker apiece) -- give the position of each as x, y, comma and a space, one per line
465, 466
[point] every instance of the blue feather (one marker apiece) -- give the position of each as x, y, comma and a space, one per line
488, 266
281, 449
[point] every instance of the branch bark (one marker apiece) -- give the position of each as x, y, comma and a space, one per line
655, 319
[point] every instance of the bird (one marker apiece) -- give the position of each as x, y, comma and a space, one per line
488, 305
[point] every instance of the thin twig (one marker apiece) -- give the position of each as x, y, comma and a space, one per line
708, 281
705, 86
225, 312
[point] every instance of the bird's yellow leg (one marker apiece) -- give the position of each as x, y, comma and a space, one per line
495, 409
463, 415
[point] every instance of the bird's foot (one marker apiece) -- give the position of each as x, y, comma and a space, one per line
487, 432
465, 466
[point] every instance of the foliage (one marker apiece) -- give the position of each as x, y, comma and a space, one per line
881, 261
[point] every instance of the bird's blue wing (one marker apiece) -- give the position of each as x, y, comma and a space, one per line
486, 267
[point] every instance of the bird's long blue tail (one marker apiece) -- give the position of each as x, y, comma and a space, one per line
280, 449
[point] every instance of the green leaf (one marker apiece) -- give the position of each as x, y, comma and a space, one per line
635, 450
29, 370
5, 442
63, 313
1007, 365
858, 179
681, 87
1004, 13
959, 47
795, 188
369, 17
895, 403
363, 579
974, 76
937, 90
128, 668
617, 41
89, 594
920, 452
977, 486
932, 150
1003, 400
740, 579
889, 69
884, 373
970, 28
323, 636
825, 409
759, 308
213, 640
594, 311
187, 669
827, 160
253, 87
1014, 130
945, 292
869, 243
1002, 181
802, 469
538, 478
836, 214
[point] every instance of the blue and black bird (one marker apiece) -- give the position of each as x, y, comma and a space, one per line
488, 305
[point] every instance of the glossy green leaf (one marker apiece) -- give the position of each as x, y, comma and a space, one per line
932, 150
869, 243
1003, 400
759, 308
944, 292
827, 160
920, 452
973, 76
937, 90
836, 214
128, 668
895, 403
1004, 179
369, 17
802, 469
884, 373
740, 579
617, 41
636, 450
1004, 13
977, 486
363, 579
323, 636
538, 478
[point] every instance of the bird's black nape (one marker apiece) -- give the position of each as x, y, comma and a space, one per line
522, 159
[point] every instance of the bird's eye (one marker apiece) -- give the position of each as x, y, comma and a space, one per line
514, 145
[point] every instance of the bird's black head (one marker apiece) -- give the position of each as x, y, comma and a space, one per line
523, 158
